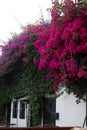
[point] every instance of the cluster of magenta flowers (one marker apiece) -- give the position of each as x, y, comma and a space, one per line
17, 47
61, 44
64, 53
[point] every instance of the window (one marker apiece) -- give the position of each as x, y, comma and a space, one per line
22, 110
14, 109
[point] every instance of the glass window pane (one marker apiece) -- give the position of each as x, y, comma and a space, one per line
22, 110
14, 109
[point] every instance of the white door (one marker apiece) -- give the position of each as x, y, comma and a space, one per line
19, 113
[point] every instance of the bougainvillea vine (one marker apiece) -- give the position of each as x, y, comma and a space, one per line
61, 47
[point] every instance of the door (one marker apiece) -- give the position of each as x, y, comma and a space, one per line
8, 111
19, 113
21, 116
49, 111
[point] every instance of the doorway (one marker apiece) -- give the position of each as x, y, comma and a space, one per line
49, 109
19, 113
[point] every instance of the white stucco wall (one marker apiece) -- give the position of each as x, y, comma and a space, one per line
70, 113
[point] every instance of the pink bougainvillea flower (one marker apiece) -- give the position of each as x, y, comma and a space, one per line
55, 86
36, 61
25, 59
48, 76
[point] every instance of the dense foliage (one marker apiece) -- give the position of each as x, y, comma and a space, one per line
26, 81
19, 76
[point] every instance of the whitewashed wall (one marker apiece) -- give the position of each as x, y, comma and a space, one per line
70, 113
